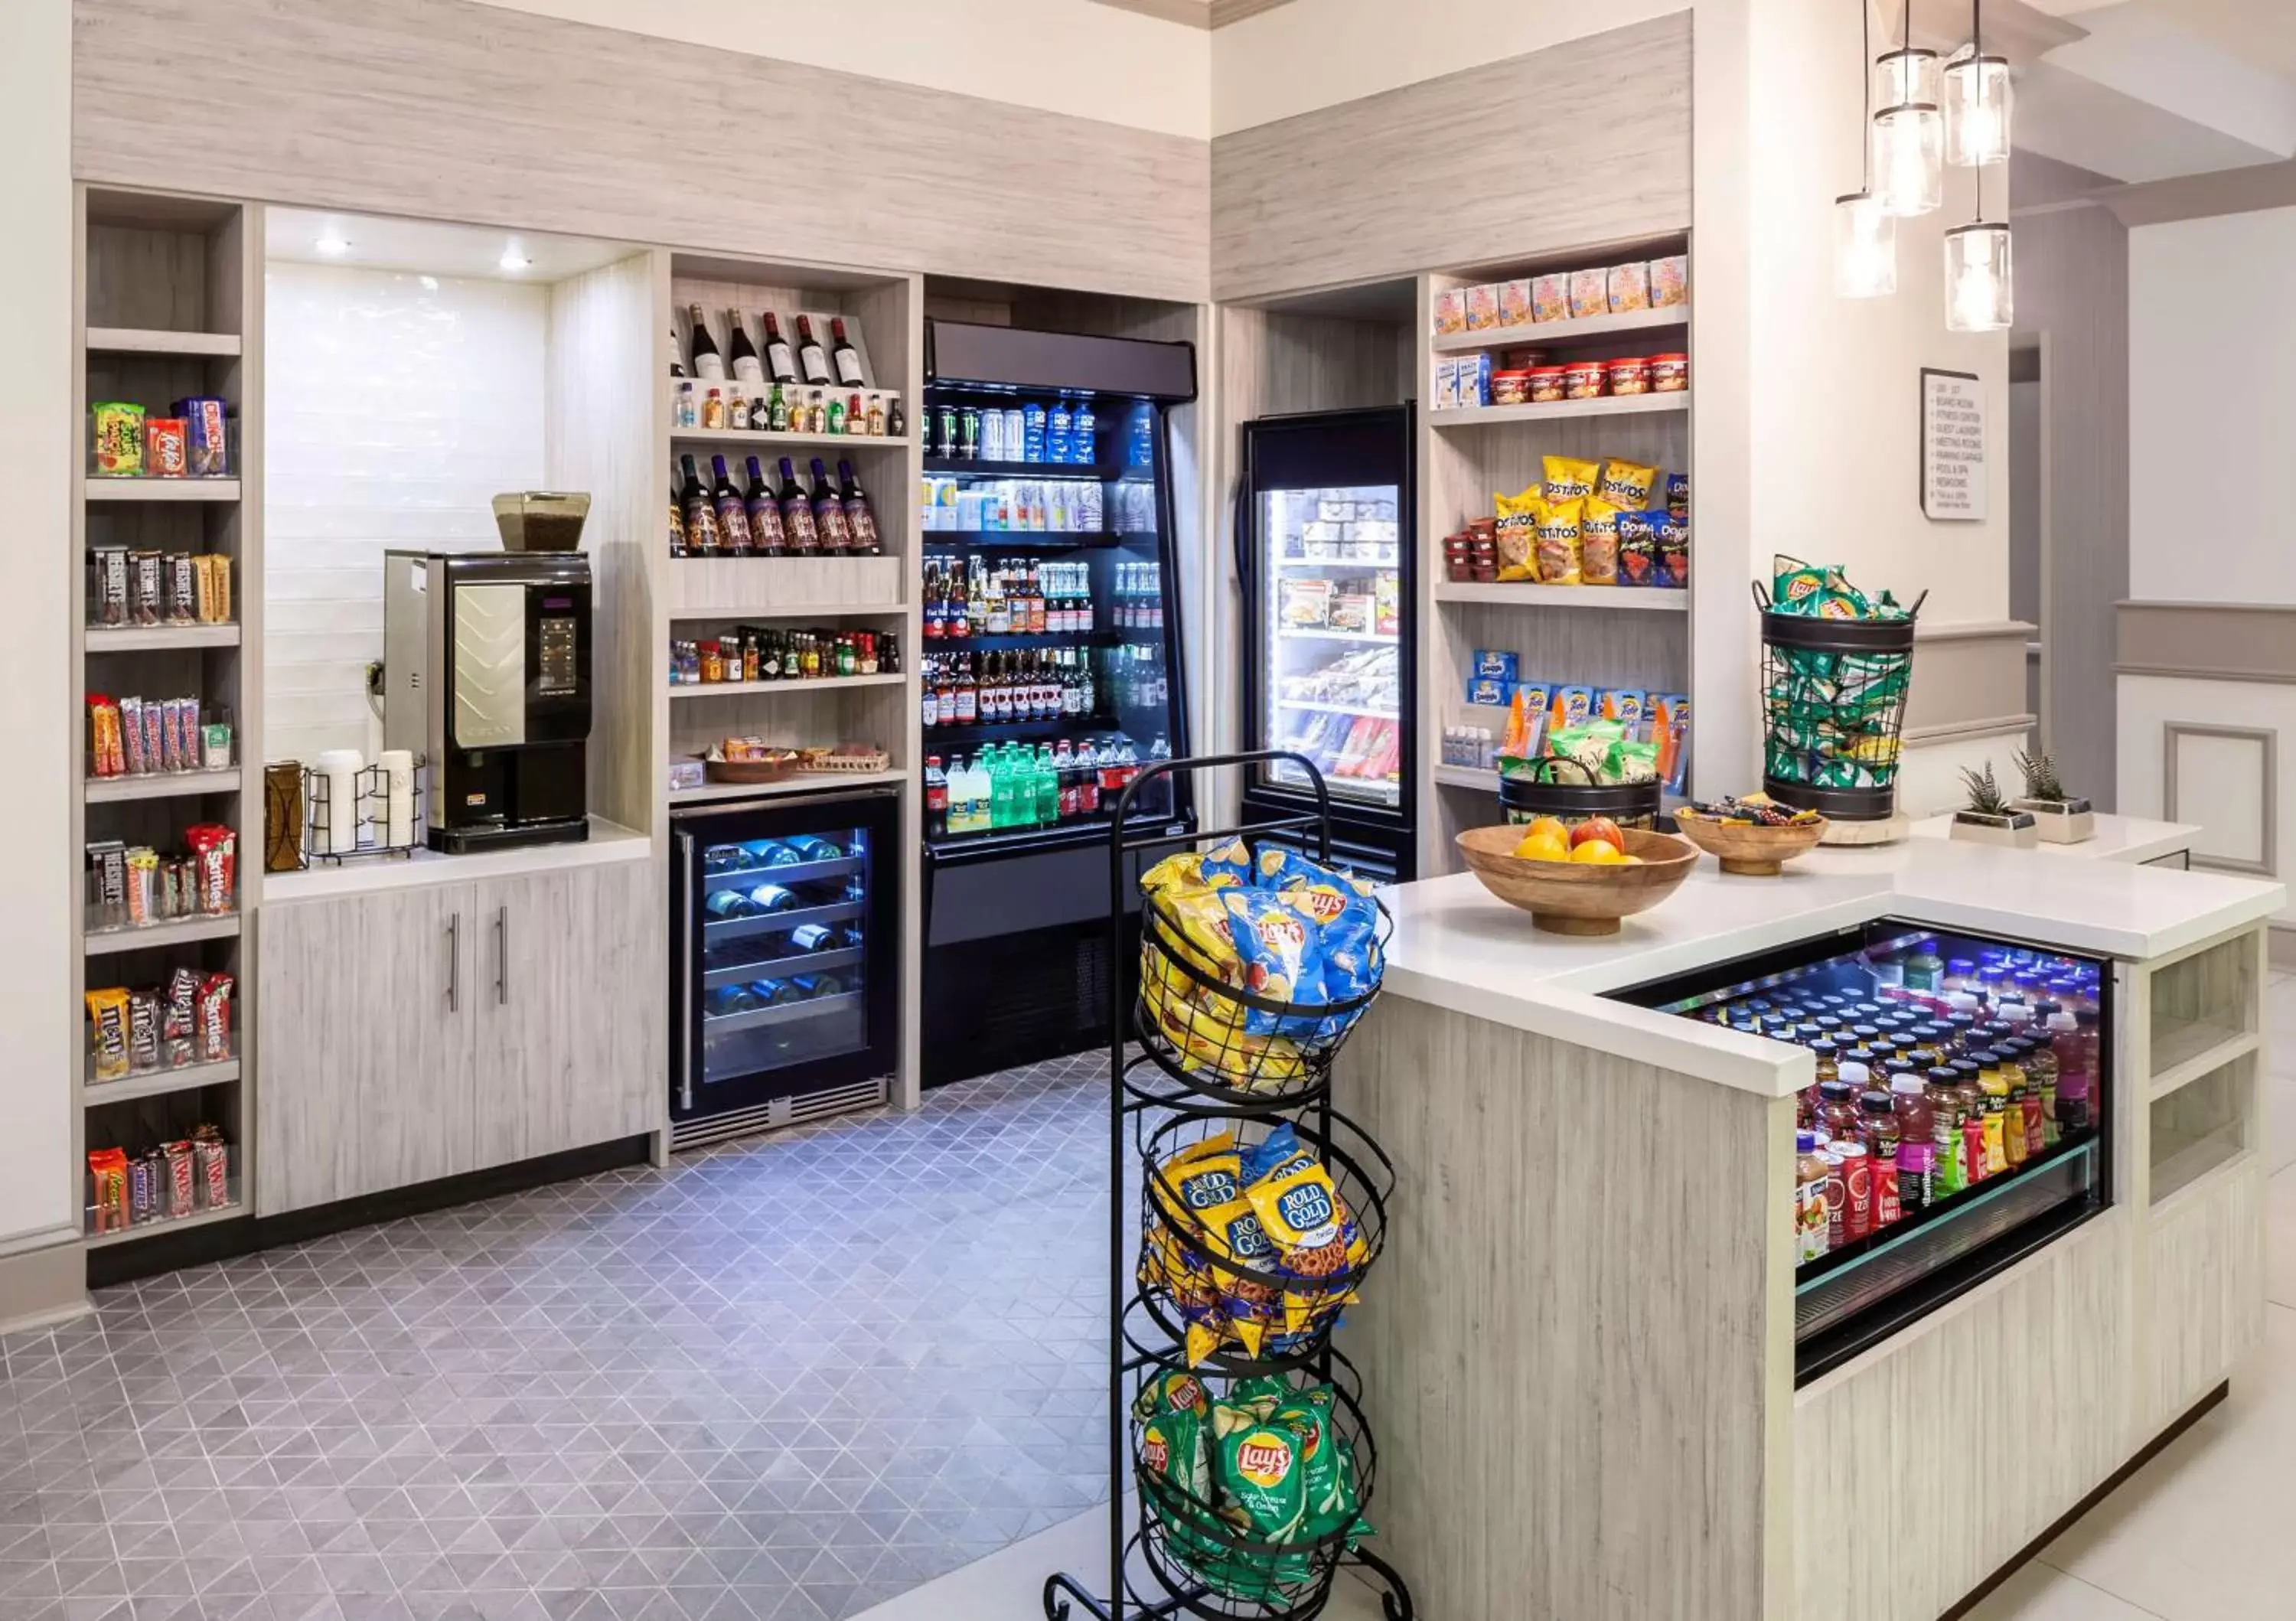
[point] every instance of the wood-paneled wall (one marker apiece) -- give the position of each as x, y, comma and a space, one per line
1585, 142
445, 109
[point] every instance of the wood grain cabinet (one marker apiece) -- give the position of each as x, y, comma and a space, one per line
418, 1033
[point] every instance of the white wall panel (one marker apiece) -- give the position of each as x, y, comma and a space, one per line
399, 405
2219, 786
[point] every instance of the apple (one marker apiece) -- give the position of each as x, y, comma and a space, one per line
1598, 827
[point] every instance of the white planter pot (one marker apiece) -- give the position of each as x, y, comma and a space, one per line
2061, 821
2017, 832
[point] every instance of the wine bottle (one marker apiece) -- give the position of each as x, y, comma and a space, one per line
733, 517
701, 514
738, 350
896, 424
829, 513
765, 515
779, 366
677, 522
676, 365
707, 362
842, 351
796, 514
810, 357
859, 521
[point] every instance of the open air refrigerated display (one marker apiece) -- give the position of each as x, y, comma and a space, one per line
1960, 1120
1051, 669
1324, 554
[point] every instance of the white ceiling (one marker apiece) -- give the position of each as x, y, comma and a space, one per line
431, 247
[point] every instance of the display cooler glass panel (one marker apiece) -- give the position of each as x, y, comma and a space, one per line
1960, 1117
1331, 580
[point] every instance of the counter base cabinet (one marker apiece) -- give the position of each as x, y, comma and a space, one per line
2203, 1289
362, 1053
378, 1076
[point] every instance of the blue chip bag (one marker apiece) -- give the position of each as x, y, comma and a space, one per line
1255, 1160
1227, 866
1677, 497
1282, 955
1282, 867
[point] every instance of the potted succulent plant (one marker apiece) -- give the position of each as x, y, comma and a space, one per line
2058, 816
1988, 817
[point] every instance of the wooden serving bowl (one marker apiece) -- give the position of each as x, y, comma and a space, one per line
1566, 897
1750, 849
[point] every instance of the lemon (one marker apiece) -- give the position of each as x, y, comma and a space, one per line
1543, 847
1598, 852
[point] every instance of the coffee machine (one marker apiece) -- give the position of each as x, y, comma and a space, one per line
487, 676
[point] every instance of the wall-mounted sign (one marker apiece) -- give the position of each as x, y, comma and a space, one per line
1953, 445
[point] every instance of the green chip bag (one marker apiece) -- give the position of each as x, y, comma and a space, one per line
1171, 1393
1263, 1485
1263, 1395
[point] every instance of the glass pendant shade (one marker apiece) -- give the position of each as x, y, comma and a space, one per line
1865, 248
1977, 291
1909, 158
1906, 75
1977, 96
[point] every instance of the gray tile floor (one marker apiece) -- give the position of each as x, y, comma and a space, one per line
787, 1378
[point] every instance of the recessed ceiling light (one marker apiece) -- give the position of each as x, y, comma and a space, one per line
332, 244
514, 261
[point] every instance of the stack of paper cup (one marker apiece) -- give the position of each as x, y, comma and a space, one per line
339, 768
398, 766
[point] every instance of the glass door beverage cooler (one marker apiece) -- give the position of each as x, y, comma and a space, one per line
1324, 552
1052, 670
1960, 1117
784, 972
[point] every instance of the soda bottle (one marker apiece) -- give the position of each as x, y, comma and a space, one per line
1064, 771
929, 705
1088, 779
935, 799
1160, 790
1048, 786
1000, 789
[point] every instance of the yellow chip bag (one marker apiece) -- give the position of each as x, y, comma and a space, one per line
1517, 519
1556, 540
1235, 1239
1568, 478
1206, 940
1302, 1214
1598, 542
1183, 869
1202, 1176
1626, 485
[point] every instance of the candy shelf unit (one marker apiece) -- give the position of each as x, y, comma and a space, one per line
693, 598
169, 301
1613, 636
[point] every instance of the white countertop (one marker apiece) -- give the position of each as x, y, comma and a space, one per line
1459, 948
609, 842
2130, 839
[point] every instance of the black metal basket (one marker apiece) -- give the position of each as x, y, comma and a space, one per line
1834, 710
1195, 1027
1526, 798
1186, 1280
1214, 1569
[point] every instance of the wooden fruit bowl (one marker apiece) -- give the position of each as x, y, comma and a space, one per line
1750, 849
1566, 897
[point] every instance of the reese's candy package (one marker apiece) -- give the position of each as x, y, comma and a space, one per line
1626, 485
1568, 478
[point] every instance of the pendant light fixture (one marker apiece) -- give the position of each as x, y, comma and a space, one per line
1976, 97
1865, 233
1909, 131
1978, 296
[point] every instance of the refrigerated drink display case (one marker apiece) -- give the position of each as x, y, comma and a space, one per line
1324, 545
784, 918
1961, 1117
1052, 669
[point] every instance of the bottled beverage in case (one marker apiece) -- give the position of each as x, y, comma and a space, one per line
701, 514
812, 362
733, 516
943, 431
677, 366
707, 362
726, 905
1140, 437
739, 354
895, 424
779, 365
1032, 432
772, 897
860, 522
765, 515
1084, 431
935, 799
777, 411
796, 514
829, 513
992, 437
1047, 783
843, 355
1056, 432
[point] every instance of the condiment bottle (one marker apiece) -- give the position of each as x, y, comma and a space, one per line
1916, 1143
1945, 1114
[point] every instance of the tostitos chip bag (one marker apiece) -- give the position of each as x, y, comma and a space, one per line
1598, 542
1569, 478
1555, 540
1516, 518
1626, 485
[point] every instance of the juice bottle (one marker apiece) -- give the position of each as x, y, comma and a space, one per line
1810, 1217
2017, 1051
2077, 1059
1878, 1130
2041, 1067
1837, 1111
1971, 1114
1916, 1143
1993, 1113
1951, 1175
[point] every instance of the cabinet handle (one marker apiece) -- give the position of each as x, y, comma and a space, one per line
502, 955
454, 963
686, 952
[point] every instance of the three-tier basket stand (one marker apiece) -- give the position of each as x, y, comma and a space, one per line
1163, 1098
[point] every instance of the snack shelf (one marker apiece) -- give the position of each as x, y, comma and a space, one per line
1300, 633
191, 1078
799, 782
150, 638
1609, 405
162, 490
162, 785
1560, 331
154, 341
1311, 705
787, 1012
1527, 594
823, 683
93, 1240
177, 931
781, 967
753, 437
2188, 1063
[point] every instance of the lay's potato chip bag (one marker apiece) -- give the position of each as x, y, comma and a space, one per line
1228, 865
1281, 957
